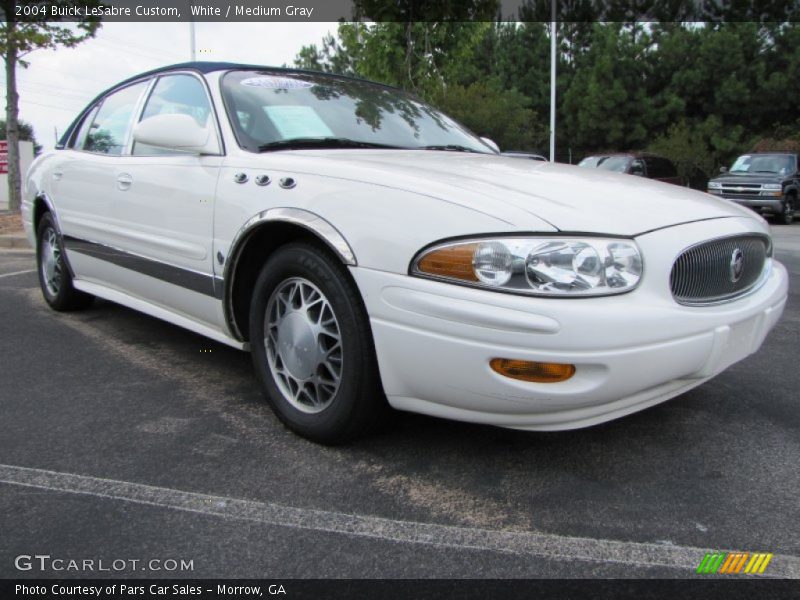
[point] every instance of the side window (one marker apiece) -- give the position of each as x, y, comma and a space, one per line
79, 136
637, 167
668, 168
653, 169
175, 94
109, 129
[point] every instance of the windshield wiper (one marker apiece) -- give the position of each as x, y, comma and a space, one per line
764, 171
454, 147
321, 142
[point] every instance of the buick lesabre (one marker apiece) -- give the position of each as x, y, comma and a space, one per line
370, 252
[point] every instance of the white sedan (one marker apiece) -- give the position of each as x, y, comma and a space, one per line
370, 252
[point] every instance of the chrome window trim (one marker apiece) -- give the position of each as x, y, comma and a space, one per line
139, 109
215, 119
137, 115
99, 105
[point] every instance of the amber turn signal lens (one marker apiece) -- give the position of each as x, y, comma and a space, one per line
455, 261
537, 372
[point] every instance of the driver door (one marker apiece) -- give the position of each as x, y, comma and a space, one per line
164, 205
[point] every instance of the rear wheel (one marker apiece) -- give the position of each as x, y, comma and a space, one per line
54, 276
312, 346
786, 216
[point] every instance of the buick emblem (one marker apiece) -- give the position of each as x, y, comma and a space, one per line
737, 265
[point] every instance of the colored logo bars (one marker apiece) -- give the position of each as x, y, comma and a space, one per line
734, 562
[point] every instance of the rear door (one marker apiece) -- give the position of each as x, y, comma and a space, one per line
84, 182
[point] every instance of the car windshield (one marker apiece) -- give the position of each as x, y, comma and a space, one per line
282, 110
764, 163
618, 164
589, 161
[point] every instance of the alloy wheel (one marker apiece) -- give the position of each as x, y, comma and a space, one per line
303, 345
51, 262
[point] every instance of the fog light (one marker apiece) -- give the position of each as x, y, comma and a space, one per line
538, 372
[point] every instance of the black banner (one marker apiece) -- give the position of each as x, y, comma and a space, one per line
404, 10
464, 589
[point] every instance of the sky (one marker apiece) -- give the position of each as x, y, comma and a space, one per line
59, 83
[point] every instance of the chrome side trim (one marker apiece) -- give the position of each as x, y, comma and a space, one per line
185, 278
296, 216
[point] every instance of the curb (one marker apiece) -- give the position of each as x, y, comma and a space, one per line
14, 240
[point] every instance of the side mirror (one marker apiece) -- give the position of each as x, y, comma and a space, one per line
491, 144
723, 169
176, 132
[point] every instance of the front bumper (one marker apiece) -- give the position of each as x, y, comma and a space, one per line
434, 341
772, 204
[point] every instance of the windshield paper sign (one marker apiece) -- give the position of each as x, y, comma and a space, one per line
276, 83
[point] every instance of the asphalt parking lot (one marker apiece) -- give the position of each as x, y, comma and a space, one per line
124, 437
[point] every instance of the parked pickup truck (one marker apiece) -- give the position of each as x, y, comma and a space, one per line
765, 182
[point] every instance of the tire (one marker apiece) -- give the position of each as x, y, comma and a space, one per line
312, 347
789, 206
55, 279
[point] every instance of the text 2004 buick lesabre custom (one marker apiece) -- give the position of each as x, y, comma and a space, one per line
365, 247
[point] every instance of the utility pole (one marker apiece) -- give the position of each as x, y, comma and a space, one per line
553, 81
192, 41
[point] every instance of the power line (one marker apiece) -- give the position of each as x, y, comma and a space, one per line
106, 82
153, 58
54, 90
64, 108
151, 49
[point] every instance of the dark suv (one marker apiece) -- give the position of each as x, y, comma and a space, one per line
765, 182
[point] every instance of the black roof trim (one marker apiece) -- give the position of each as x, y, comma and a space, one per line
200, 67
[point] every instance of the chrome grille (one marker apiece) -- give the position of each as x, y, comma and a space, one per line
744, 189
705, 273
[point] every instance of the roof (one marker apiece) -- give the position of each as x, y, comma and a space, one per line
632, 153
201, 67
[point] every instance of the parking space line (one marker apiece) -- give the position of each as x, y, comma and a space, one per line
548, 546
17, 273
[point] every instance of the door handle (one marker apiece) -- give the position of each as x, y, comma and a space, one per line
58, 175
124, 181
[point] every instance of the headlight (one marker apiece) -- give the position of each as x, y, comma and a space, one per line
775, 187
545, 266
714, 185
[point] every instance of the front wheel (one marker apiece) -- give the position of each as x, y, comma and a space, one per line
54, 276
786, 216
312, 346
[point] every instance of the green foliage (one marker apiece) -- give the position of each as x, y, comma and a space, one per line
702, 93
40, 32
25, 131
25, 134
688, 149
488, 109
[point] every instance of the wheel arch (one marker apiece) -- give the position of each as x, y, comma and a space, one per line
41, 205
256, 240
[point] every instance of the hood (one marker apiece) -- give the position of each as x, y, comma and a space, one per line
522, 192
734, 178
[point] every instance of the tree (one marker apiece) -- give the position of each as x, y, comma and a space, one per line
25, 134
500, 114
18, 37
